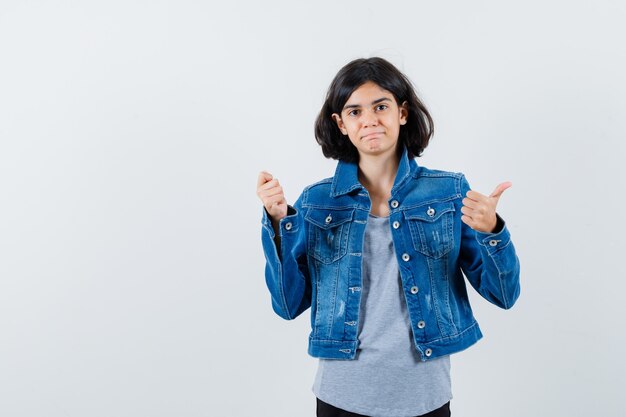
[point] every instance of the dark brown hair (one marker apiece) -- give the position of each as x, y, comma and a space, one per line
414, 135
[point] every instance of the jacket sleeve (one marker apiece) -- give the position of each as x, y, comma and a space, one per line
489, 261
287, 275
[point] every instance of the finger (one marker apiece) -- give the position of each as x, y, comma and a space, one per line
467, 212
264, 177
270, 184
476, 196
271, 192
468, 202
475, 214
467, 220
500, 189
271, 201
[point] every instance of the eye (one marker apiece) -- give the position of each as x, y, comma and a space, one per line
353, 112
381, 107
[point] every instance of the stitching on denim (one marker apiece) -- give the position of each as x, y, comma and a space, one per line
433, 288
324, 224
501, 247
331, 341
414, 234
504, 300
451, 235
444, 260
418, 232
286, 232
342, 232
354, 187
281, 289
459, 184
336, 280
441, 174
334, 207
452, 336
311, 247
270, 231
422, 239
317, 298
434, 201
328, 180
486, 243
449, 210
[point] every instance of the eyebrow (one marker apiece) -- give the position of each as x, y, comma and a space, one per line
354, 106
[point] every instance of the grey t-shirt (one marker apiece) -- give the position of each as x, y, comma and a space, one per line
387, 378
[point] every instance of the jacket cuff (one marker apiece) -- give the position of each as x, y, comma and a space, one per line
288, 224
497, 240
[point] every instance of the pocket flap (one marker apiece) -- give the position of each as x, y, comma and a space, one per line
328, 218
429, 212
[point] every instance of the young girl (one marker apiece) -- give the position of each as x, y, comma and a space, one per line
378, 251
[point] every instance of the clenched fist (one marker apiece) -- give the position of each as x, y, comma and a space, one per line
271, 194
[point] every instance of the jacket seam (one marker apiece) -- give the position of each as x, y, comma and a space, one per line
335, 341
315, 206
474, 323
429, 342
500, 281
282, 291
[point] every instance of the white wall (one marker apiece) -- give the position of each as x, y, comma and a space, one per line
131, 135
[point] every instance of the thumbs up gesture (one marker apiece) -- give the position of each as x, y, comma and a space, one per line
479, 210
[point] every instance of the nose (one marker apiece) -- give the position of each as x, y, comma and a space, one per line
369, 118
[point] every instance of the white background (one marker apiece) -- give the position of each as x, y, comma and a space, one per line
131, 136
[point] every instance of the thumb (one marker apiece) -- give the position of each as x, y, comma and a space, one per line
500, 189
264, 177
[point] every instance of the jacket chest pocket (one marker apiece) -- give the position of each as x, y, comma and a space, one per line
328, 233
431, 228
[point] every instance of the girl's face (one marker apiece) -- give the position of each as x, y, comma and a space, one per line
371, 118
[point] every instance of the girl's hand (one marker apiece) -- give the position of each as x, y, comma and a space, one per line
480, 210
271, 194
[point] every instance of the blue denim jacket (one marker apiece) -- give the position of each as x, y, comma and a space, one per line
319, 264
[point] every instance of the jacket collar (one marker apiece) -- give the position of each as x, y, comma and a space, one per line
346, 176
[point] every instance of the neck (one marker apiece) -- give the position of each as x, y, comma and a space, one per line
377, 173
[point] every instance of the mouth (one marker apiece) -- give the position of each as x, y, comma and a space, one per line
371, 135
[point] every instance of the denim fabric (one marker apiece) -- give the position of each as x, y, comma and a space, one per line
319, 265
387, 377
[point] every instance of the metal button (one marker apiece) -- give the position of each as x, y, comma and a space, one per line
394, 204
430, 211
428, 352
396, 224
493, 242
329, 219
421, 324
414, 290
405, 257
288, 226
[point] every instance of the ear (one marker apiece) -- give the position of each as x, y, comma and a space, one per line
404, 112
340, 124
